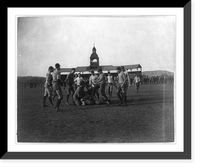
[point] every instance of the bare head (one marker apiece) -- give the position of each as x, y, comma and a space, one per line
57, 66
118, 69
92, 72
122, 68
50, 69
73, 70
100, 70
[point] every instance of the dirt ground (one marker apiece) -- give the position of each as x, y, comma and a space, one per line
149, 117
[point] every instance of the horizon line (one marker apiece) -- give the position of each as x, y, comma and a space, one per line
43, 76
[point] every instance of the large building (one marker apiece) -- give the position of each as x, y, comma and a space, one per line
94, 65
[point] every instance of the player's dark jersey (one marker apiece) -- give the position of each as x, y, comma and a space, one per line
70, 79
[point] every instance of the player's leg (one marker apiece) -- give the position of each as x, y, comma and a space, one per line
49, 91
75, 86
60, 97
124, 90
82, 102
119, 90
100, 88
54, 94
72, 91
44, 98
76, 100
96, 91
111, 90
44, 101
103, 93
92, 91
50, 100
138, 87
68, 94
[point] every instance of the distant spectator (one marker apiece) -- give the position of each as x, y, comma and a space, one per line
137, 82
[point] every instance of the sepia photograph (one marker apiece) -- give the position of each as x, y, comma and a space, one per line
96, 79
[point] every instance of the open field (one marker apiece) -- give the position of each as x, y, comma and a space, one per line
149, 117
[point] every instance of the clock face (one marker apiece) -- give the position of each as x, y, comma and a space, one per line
94, 60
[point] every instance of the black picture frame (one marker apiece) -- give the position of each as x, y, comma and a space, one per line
186, 154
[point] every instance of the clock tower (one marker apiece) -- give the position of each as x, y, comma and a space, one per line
94, 59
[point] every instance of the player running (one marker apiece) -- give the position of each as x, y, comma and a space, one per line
101, 80
57, 85
126, 84
79, 94
78, 80
110, 84
93, 84
121, 86
48, 87
69, 82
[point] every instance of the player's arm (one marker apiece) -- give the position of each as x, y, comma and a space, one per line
48, 79
67, 79
106, 79
78, 92
51, 80
83, 79
100, 78
90, 81
75, 80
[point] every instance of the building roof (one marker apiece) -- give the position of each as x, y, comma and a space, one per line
81, 68
78, 69
103, 67
135, 66
111, 67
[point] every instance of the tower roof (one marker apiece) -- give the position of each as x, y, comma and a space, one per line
93, 49
94, 54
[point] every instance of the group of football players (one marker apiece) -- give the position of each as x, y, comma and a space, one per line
86, 92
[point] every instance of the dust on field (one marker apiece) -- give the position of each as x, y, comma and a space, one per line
149, 117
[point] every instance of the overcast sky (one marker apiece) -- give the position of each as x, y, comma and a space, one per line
44, 41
